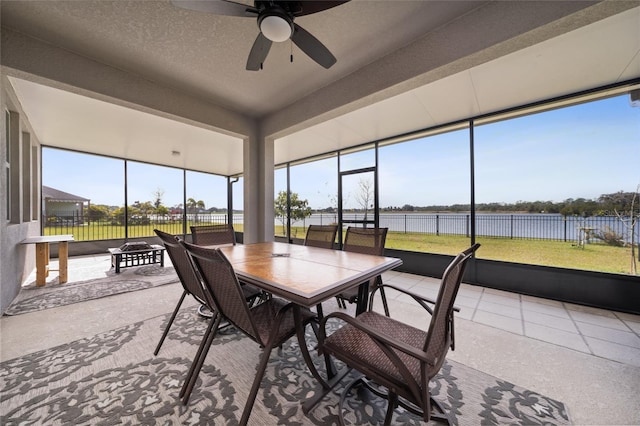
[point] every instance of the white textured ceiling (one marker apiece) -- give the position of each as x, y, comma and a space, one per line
71, 121
602, 53
204, 55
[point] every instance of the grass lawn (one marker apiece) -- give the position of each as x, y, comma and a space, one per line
591, 257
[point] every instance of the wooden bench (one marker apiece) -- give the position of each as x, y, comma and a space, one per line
42, 256
123, 258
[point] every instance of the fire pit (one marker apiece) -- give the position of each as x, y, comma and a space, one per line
136, 254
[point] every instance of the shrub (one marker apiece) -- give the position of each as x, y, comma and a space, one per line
610, 237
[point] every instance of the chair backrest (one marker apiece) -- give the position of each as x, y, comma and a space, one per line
322, 236
222, 287
365, 240
440, 330
182, 264
212, 235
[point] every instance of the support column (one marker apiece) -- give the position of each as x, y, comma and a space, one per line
258, 188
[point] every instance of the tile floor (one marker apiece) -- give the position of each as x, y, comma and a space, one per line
587, 358
607, 334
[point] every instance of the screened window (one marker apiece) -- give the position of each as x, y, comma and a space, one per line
425, 193
152, 188
208, 193
82, 194
553, 188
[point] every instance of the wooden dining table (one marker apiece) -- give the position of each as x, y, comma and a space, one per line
307, 276
302, 274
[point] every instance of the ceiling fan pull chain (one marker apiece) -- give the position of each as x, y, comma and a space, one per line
291, 46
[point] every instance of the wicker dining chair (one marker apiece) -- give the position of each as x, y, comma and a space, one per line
215, 235
269, 324
322, 236
191, 283
366, 241
212, 235
396, 356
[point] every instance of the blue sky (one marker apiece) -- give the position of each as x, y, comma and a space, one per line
578, 152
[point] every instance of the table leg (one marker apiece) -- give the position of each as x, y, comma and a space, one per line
42, 263
63, 256
363, 297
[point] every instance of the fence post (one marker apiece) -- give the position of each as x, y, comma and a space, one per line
437, 225
405, 223
511, 227
467, 223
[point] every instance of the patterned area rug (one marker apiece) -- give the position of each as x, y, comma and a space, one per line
32, 298
113, 378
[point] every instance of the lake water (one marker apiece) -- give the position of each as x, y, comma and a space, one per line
527, 226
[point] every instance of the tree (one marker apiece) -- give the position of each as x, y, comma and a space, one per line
194, 206
146, 208
299, 208
162, 211
97, 212
157, 198
629, 219
617, 202
365, 195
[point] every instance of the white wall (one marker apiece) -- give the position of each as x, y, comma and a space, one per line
16, 260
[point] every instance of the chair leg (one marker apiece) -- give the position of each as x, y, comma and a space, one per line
319, 315
204, 311
343, 397
305, 351
201, 354
384, 302
173, 317
246, 413
393, 402
443, 416
319, 311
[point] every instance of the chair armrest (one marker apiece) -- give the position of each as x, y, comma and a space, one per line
422, 300
378, 337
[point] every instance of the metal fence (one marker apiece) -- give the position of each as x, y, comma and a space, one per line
513, 226
84, 229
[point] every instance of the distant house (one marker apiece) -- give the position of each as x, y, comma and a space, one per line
60, 206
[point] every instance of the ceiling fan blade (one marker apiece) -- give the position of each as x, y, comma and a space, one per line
312, 47
310, 6
258, 53
219, 7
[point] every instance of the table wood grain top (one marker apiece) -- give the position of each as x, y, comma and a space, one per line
304, 275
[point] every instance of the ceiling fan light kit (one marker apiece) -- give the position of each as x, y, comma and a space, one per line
276, 24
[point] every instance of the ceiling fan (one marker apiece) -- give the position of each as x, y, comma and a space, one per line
275, 21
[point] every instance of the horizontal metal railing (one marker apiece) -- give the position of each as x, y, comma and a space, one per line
513, 226
85, 229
